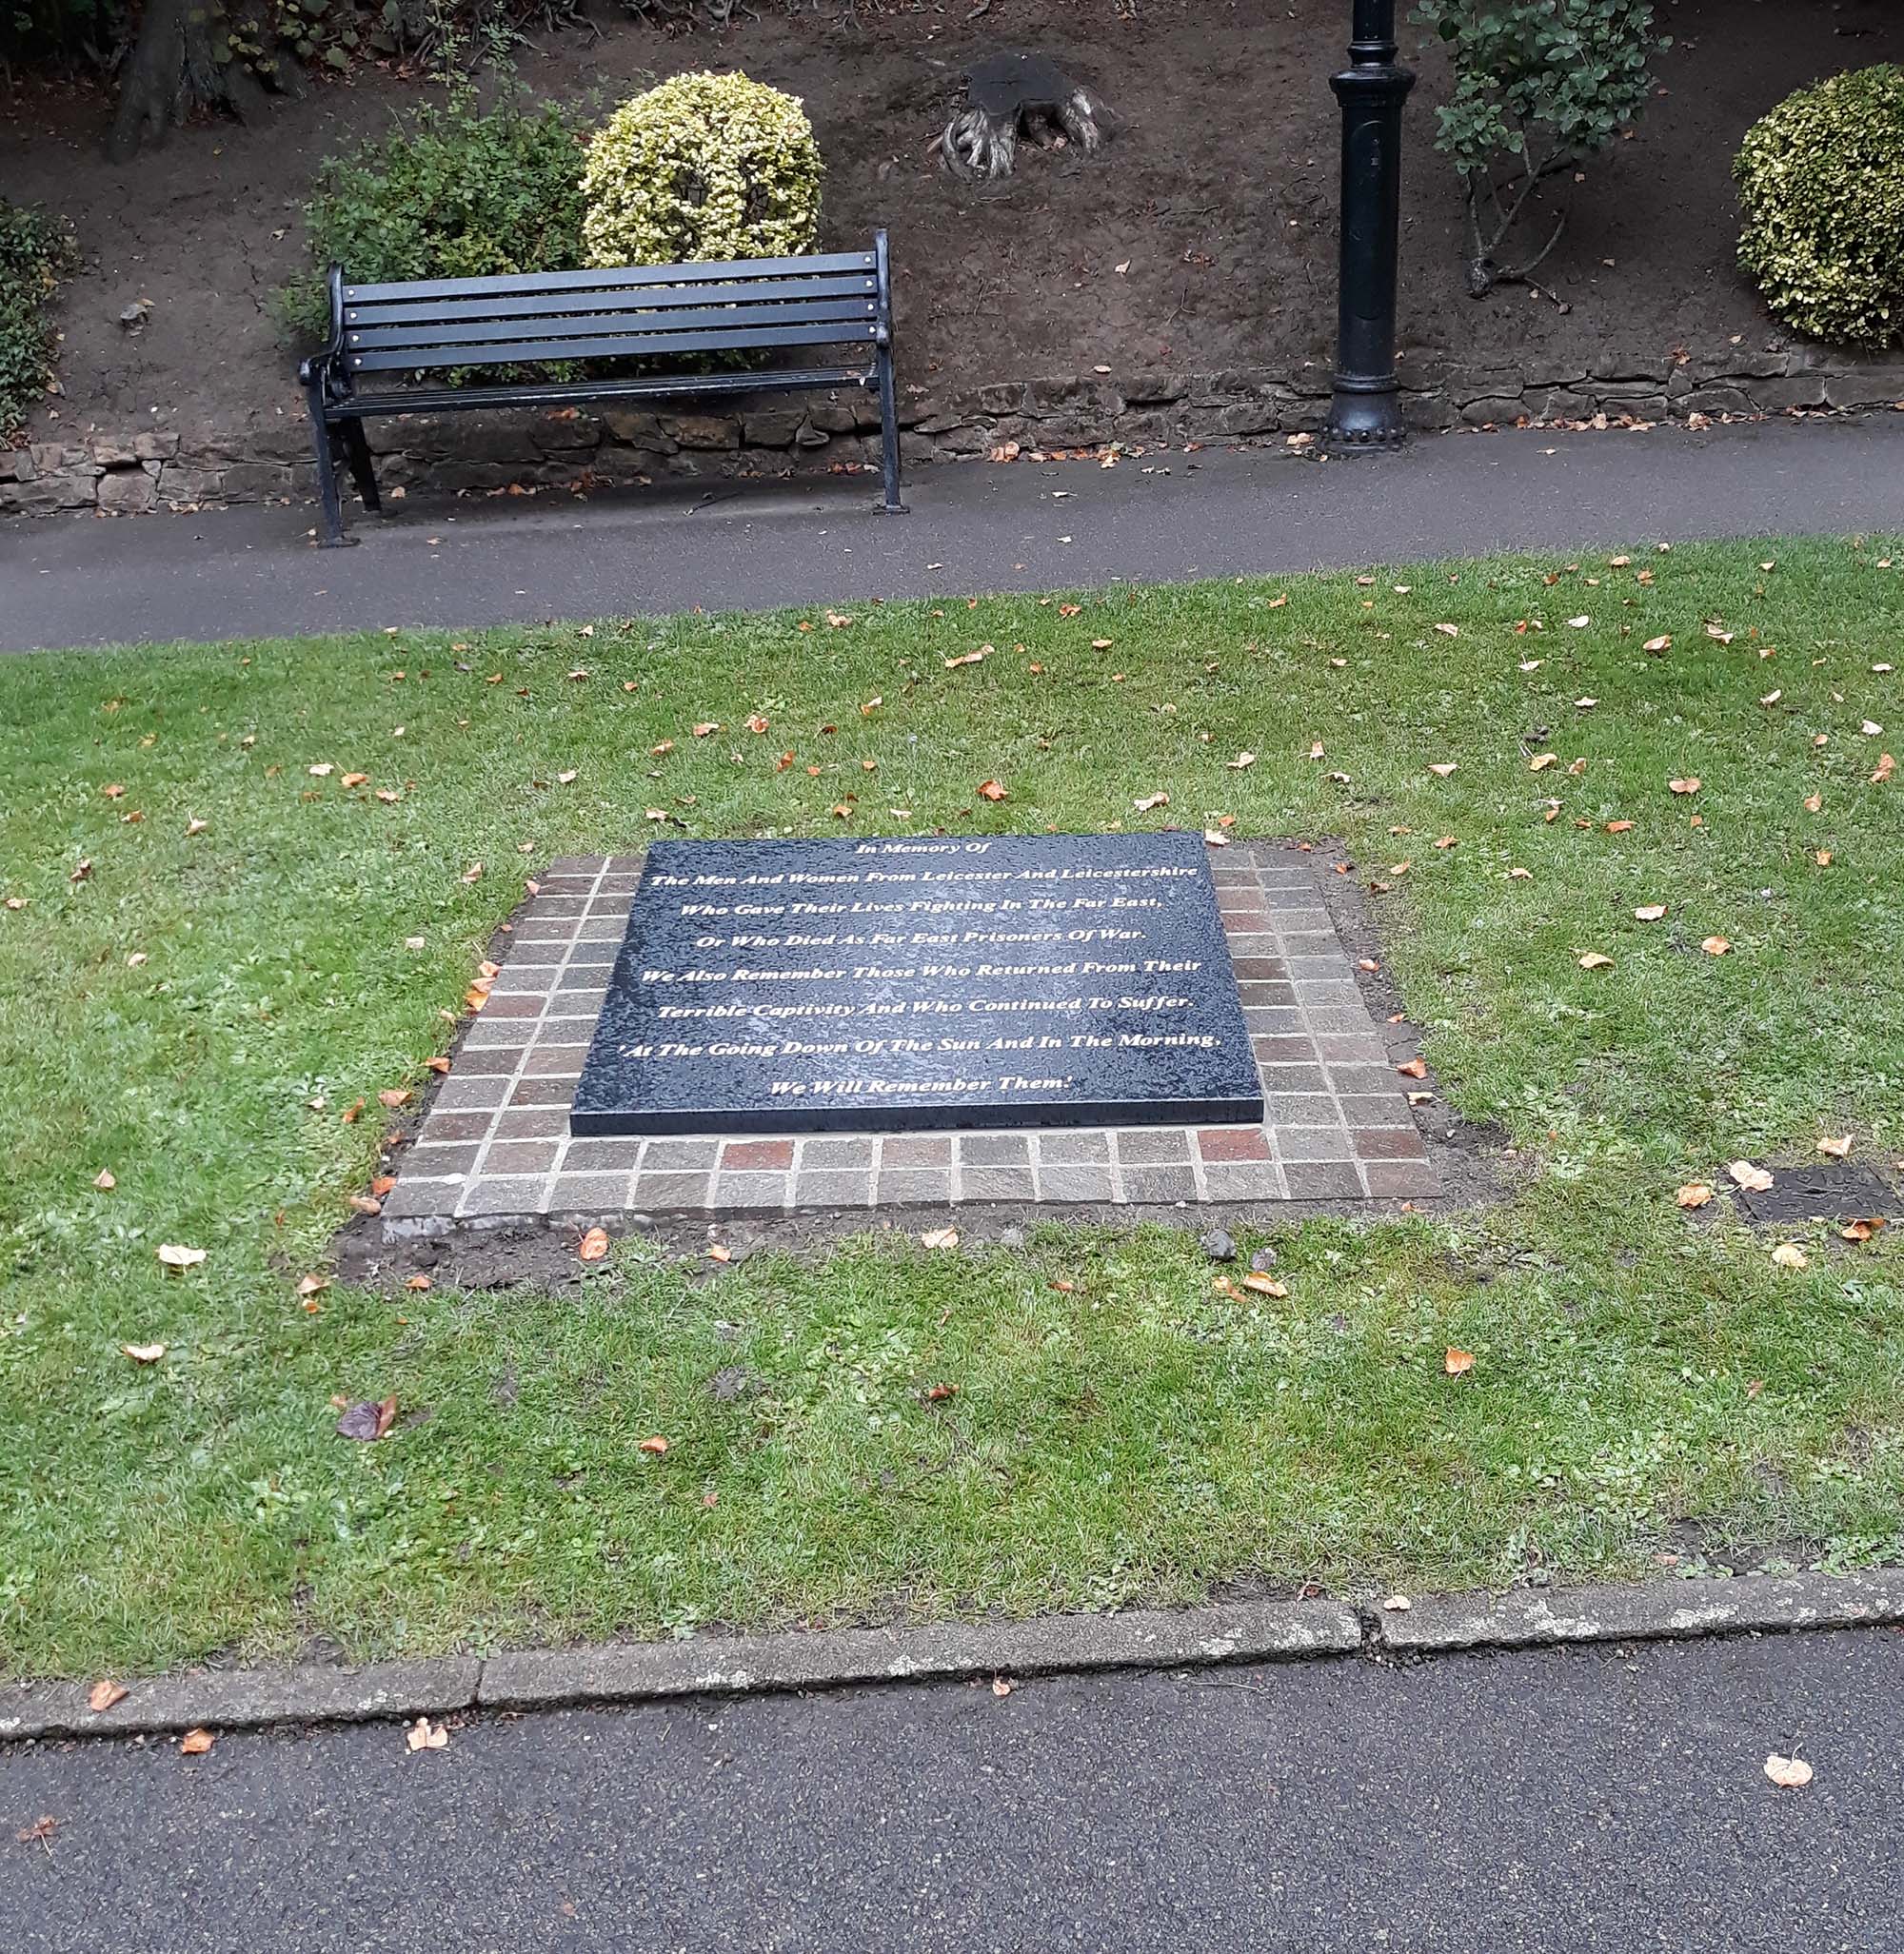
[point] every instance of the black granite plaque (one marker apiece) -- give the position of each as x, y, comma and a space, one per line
891, 985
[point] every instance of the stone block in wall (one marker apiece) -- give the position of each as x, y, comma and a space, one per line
155, 444
777, 426
810, 436
16, 464
56, 458
936, 419
636, 429
1073, 430
1618, 366
111, 452
767, 464
182, 484
1558, 403
250, 482
1154, 389
1876, 383
1012, 397
844, 413
48, 494
436, 472
1235, 418
1792, 390
565, 431
966, 439
705, 431
914, 448
1428, 413
1495, 410
129, 491
611, 462
1715, 399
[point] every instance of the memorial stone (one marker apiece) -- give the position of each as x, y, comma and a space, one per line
893, 985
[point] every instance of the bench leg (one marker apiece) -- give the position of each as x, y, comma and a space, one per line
331, 535
358, 449
889, 435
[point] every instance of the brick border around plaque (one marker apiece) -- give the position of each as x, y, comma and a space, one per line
494, 1146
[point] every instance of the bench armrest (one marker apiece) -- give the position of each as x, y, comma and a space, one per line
324, 367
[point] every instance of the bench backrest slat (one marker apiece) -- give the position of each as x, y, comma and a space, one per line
750, 271
662, 328
623, 345
580, 298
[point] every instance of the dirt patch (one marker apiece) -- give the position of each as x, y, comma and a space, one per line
1201, 239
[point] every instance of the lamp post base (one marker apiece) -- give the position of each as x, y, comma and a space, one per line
1364, 420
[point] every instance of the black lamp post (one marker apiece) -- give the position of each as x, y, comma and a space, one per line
1365, 415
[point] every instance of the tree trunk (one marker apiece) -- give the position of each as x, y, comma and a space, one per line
173, 69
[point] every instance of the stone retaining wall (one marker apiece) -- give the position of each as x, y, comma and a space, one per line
520, 453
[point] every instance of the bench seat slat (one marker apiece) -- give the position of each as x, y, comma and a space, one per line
665, 328
656, 298
520, 352
448, 399
762, 270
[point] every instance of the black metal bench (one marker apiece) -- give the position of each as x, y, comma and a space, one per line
653, 314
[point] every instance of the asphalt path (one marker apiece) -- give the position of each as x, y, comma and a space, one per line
255, 572
1580, 1799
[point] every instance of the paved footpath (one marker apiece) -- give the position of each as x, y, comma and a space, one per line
253, 572
1584, 1799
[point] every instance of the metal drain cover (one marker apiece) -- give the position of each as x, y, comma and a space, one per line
1831, 1190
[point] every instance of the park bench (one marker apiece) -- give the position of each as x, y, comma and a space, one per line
663, 320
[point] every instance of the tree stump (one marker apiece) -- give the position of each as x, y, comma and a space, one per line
1012, 95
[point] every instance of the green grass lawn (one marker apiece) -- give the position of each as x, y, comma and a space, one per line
169, 1013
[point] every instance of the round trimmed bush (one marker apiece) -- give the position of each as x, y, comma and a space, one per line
1822, 182
706, 166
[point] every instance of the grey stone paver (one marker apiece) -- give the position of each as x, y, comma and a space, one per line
495, 1143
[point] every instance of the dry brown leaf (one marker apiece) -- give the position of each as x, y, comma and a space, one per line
1151, 800
393, 1096
1814, 804
1650, 912
1541, 761
1242, 760
1215, 837
1265, 1285
176, 1255
1753, 1178
424, 1735
1790, 1255
365, 1204
104, 1181
937, 1393
1788, 1773
991, 790
1458, 1363
1449, 630
1689, 785
1695, 1193
1442, 767
103, 1694
1837, 1149
940, 1239
196, 1743
655, 1446
1618, 827
1414, 1068
143, 1353
1861, 1231
1663, 643
1717, 946
594, 1245
418, 1283
1594, 959
1887, 765
1003, 1686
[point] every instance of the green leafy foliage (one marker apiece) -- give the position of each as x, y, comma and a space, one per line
1822, 182
38, 252
1539, 86
451, 192
706, 166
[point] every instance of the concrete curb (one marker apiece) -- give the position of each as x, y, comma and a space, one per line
1441, 1624
1143, 1639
